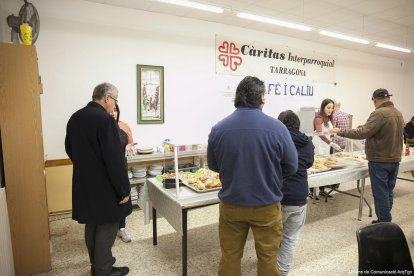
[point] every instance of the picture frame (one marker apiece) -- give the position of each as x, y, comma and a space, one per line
150, 94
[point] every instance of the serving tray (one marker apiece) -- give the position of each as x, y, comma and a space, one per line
195, 189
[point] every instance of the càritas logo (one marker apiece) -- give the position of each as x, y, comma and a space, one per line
229, 55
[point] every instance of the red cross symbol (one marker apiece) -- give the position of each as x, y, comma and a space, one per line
229, 55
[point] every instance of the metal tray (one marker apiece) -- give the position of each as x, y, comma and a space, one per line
200, 191
313, 170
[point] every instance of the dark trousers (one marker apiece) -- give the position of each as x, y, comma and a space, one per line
383, 177
122, 223
99, 240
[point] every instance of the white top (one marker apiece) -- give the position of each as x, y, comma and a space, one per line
321, 147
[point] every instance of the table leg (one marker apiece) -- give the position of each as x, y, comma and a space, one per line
361, 197
154, 226
366, 201
401, 178
184, 242
314, 195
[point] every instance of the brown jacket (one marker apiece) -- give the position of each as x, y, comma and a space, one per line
383, 133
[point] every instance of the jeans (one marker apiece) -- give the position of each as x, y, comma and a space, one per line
234, 224
293, 218
383, 177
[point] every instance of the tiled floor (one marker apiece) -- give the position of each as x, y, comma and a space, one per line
327, 244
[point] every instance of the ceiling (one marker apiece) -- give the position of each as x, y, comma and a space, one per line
385, 21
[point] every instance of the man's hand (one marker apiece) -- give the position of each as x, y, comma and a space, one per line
124, 200
335, 130
129, 150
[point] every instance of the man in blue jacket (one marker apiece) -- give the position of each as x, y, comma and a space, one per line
252, 152
295, 192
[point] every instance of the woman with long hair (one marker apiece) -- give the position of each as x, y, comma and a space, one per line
322, 124
127, 142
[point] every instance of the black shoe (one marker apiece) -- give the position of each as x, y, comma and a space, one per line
93, 270
119, 271
375, 221
325, 194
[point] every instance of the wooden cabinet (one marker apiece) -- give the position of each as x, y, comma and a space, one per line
23, 157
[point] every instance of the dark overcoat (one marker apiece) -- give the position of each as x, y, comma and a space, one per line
100, 178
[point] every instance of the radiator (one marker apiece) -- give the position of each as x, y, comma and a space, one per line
6, 253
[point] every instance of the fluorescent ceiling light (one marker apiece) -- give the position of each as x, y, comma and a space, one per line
193, 5
395, 48
344, 37
274, 21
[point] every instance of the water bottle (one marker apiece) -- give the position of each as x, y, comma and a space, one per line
167, 145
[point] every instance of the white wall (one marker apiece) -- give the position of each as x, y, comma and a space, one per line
82, 44
408, 88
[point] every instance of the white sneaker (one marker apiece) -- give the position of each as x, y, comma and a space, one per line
123, 234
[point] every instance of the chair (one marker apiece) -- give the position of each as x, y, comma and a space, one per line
383, 247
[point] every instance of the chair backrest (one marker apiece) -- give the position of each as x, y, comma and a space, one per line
383, 247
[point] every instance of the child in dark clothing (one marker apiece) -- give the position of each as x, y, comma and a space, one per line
295, 192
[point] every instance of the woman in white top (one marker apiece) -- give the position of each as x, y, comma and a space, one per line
322, 124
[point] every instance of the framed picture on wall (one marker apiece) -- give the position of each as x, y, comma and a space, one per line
150, 88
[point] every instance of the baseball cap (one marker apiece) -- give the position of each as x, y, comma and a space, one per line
380, 93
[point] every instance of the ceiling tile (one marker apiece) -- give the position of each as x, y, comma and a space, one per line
132, 4
375, 6
406, 21
396, 13
344, 3
231, 4
280, 5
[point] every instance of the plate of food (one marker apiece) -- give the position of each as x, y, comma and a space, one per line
203, 186
203, 180
318, 170
333, 164
323, 164
340, 155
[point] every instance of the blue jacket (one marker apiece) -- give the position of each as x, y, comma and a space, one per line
295, 187
252, 152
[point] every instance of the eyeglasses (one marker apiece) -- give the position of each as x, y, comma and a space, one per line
115, 100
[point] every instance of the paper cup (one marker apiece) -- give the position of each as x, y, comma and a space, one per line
26, 32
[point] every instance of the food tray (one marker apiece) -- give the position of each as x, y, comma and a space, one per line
313, 170
200, 191
337, 166
339, 163
349, 161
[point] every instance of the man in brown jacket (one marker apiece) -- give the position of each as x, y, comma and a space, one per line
383, 132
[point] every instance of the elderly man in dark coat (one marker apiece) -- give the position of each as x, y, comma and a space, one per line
100, 185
